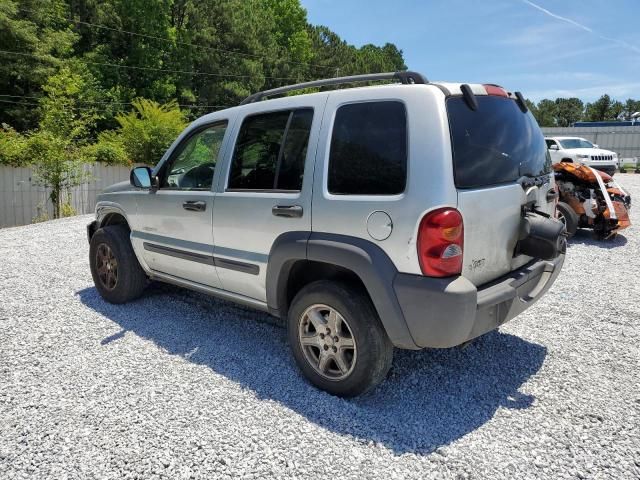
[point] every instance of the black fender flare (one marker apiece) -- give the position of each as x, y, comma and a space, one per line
102, 212
362, 257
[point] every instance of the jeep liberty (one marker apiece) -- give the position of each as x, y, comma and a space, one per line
407, 215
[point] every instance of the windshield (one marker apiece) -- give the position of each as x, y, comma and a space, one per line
575, 143
496, 143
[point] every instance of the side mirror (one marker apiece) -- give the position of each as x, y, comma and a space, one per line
141, 177
553, 147
596, 146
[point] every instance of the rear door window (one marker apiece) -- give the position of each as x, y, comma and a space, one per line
368, 153
270, 151
496, 143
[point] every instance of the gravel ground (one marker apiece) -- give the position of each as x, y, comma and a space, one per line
178, 385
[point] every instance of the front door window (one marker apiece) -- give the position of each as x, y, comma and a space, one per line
194, 162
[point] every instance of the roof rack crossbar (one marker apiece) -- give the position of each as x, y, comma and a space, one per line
403, 77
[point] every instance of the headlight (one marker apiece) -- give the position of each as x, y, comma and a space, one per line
582, 156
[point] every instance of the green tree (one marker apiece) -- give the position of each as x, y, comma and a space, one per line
546, 113
68, 109
56, 165
149, 130
290, 29
568, 111
206, 52
532, 108
330, 50
39, 38
599, 110
615, 110
631, 106
55, 150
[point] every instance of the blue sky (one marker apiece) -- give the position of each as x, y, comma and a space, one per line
544, 48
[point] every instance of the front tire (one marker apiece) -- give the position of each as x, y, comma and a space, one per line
337, 338
116, 273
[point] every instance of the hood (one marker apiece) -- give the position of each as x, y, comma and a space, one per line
590, 151
119, 187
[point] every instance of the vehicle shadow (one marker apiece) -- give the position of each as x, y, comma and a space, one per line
585, 237
430, 399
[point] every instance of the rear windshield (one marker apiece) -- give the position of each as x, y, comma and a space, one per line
496, 143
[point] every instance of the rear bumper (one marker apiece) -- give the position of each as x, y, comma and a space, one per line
442, 313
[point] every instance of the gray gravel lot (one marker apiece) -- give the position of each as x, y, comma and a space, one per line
179, 385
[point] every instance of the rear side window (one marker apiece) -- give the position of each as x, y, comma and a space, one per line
368, 153
496, 143
270, 151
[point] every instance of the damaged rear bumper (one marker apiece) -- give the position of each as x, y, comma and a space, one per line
446, 312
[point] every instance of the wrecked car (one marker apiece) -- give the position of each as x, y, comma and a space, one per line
589, 198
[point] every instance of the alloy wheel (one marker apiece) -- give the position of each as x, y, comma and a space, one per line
327, 342
106, 266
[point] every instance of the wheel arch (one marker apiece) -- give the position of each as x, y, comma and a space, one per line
298, 258
105, 216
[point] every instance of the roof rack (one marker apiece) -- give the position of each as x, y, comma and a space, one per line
403, 77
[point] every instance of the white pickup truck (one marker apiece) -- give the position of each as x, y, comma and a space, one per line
582, 151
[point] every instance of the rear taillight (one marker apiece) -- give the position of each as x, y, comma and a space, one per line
440, 243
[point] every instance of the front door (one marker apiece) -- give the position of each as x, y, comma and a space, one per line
173, 227
265, 190
554, 152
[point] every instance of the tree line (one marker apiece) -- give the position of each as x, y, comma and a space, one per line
564, 112
117, 80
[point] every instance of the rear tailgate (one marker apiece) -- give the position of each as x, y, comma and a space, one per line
501, 163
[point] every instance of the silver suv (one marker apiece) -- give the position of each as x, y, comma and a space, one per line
407, 215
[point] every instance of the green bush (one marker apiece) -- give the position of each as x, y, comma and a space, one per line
66, 210
150, 129
12, 146
109, 150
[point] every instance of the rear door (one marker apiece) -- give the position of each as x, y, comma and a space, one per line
265, 189
501, 163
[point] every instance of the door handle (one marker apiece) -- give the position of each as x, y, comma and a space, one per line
195, 205
287, 211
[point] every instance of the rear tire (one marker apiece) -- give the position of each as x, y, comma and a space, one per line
116, 273
337, 338
567, 216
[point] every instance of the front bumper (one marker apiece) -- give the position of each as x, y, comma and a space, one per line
445, 312
606, 167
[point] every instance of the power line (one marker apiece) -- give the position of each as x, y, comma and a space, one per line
117, 103
20, 103
187, 44
90, 108
115, 65
74, 107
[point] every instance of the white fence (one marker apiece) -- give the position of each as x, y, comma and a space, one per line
22, 200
